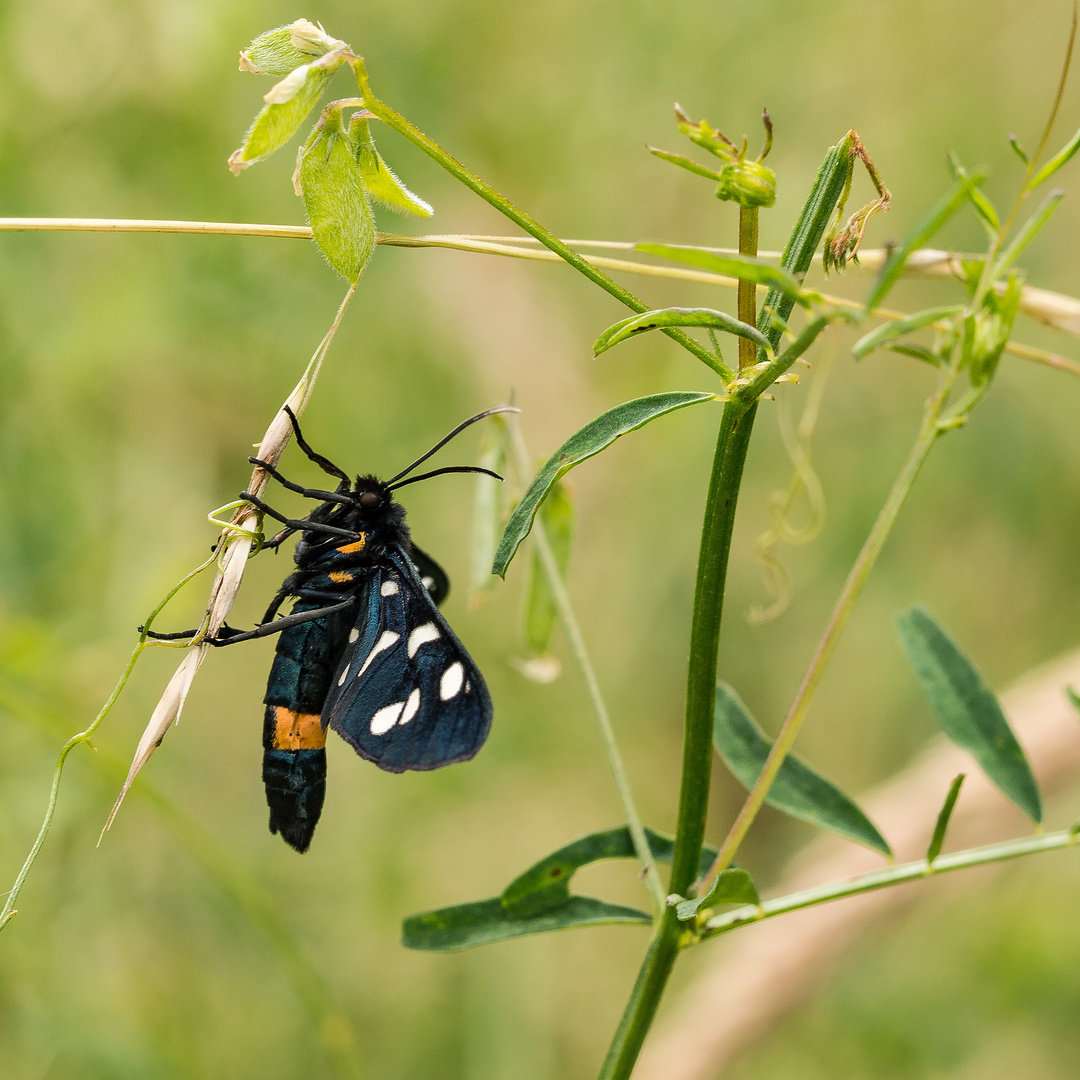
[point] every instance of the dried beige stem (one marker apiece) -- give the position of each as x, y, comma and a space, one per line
233, 562
763, 971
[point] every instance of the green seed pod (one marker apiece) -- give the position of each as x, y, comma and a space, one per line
748, 183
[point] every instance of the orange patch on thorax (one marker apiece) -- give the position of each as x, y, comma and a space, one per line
355, 546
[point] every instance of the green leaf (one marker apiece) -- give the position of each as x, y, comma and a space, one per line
731, 886
1018, 149
1074, 698
1064, 156
1028, 231
983, 207
742, 267
539, 612
825, 192
337, 207
797, 790
540, 900
891, 330
487, 921
279, 51
678, 316
287, 104
920, 235
378, 178
595, 436
966, 709
684, 163
942, 825
919, 352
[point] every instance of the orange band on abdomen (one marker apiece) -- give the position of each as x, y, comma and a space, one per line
297, 731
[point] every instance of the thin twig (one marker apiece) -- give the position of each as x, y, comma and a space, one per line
576, 643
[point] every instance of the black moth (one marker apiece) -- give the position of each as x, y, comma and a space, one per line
364, 650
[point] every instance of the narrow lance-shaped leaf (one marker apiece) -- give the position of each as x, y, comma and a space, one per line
890, 331
967, 709
378, 178
287, 104
920, 235
1028, 231
337, 207
731, 886
797, 790
539, 900
663, 318
941, 827
539, 612
685, 163
595, 436
810, 227
983, 207
1064, 156
1074, 698
755, 271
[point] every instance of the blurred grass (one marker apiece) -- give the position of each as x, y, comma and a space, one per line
137, 370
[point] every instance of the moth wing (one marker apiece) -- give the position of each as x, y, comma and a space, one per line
432, 575
407, 695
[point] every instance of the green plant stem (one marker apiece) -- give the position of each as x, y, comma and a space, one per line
929, 431
893, 875
731, 447
334, 1028
576, 643
747, 295
403, 127
9, 911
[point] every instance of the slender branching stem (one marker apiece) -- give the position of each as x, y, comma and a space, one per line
747, 295
576, 644
730, 458
403, 127
929, 430
892, 875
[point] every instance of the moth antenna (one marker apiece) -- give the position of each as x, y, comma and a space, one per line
442, 442
324, 463
447, 469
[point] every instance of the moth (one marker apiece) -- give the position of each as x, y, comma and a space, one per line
364, 650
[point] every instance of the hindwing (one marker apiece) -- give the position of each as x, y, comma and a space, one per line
406, 694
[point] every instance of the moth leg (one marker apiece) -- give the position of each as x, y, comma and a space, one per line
297, 524
324, 463
266, 629
310, 493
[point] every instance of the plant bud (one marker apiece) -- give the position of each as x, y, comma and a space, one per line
280, 51
328, 178
747, 183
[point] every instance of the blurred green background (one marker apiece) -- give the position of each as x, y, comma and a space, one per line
136, 371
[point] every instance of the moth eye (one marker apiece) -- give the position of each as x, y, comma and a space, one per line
370, 501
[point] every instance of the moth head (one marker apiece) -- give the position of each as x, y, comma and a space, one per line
370, 494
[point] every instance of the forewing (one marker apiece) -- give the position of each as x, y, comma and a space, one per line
407, 694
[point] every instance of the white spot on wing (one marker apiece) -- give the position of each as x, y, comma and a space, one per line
343, 676
385, 641
412, 707
386, 717
353, 635
451, 680
421, 636
389, 588
428, 583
